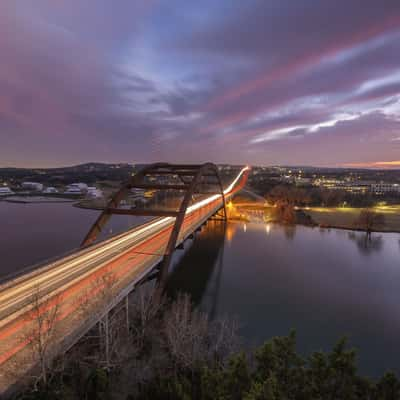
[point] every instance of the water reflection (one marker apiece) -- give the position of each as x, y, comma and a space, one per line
231, 231
194, 270
325, 283
290, 231
366, 245
320, 282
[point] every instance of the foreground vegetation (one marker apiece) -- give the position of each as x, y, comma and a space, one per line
172, 351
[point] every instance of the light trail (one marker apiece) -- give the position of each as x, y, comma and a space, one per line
12, 298
128, 255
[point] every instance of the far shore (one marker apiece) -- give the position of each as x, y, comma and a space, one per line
345, 217
37, 199
339, 217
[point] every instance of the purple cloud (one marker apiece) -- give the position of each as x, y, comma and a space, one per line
256, 82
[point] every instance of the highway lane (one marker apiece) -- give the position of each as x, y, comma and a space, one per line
130, 255
17, 296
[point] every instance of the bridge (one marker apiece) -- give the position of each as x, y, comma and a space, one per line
72, 294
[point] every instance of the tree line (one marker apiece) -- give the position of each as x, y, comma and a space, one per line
315, 197
286, 198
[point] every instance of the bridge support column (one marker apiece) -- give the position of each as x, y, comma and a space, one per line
107, 338
127, 313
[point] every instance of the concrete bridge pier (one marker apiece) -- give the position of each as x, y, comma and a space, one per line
104, 337
127, 313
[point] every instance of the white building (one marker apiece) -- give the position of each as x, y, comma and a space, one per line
50, 190
76, 188
80, 185
73, 190
5, 191
94, 193
383, 188
34, 186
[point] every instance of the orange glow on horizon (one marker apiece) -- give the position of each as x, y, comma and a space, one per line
376, 164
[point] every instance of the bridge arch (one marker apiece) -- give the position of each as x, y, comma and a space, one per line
193, 178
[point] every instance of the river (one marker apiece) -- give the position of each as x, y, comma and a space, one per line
34, 232
323, 283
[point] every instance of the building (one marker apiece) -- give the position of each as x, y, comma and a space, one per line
33, 186
50, 190
73, 190
384, 188
94, 193
5, 191
81, 186
360, 187
329, 183
76, 189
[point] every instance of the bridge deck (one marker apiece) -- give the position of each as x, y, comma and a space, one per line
76, 285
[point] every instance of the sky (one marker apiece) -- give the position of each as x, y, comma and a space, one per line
266, 82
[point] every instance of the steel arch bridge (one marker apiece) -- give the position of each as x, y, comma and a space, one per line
194, 179
131, 257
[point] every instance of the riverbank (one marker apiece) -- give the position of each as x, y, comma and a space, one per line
37, 199
324, 217
300, 277
91, 204
345, 217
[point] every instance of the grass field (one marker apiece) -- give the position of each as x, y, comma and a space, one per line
345, 217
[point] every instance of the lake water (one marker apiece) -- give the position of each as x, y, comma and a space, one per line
323, 283
32, 233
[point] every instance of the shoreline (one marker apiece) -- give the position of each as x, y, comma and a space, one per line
347, 228
333, 217
37, 200
336, 218
87, 207
314, 226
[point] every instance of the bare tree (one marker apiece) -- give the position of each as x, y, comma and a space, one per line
145, 312
92, 305
104, 287
185, 332
285, 198
331, 197
224, 339
280, 193
163, 341
92, 301
41, 332
284, 212
369, 220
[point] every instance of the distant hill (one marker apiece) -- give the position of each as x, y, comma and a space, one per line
88, 173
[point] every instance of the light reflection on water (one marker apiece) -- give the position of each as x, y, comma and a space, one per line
323, 283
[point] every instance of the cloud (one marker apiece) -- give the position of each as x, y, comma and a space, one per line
285, 38
258, 82
362, 140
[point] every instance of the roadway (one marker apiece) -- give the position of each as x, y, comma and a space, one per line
63, 284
